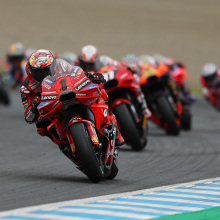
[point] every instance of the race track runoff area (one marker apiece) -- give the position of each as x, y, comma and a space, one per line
194, 200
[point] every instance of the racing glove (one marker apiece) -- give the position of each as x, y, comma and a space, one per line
96, 77
33, 112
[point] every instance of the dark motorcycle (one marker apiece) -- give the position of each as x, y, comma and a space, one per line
166, 110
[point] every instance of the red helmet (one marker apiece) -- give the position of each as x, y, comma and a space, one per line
40, 64
89, 58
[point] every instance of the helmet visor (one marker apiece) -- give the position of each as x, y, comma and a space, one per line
16, 59
40, 73
86, 66
211, 80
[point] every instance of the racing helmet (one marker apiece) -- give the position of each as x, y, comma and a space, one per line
89, 57
209, 73
147, 59
16, 53
40, 64
131, 61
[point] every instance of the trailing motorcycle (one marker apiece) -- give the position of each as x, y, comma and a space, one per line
127, 103
79, 115
159, 89
179, 74
4, 94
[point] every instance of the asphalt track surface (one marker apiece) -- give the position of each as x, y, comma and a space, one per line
33, 171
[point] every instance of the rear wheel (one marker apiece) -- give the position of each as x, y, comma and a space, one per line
128, 127
86, 152
167, 115
4, 97
186, 119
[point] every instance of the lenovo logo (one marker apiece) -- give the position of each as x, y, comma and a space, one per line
49, 97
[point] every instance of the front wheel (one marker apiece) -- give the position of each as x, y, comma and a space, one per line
86, 153
128, 127
114, 170
186, 118
167, 115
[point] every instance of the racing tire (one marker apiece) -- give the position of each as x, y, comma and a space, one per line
128, 127
186, 119
167, 114
4, 96
86, 152
114, 170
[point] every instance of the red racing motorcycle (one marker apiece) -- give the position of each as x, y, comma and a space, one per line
127, 103
78, 113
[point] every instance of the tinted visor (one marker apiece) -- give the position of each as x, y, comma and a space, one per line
15, 59
40, 73
211, 79
87, 67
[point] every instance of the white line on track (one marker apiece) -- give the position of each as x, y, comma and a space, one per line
99, 204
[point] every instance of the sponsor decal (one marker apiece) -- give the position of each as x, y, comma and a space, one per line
90, 87
101, 100
82, 85
46, 85
49, 97
73, 148
64, 66
49, 81
79, 72
25, 106
124, 75
81, 94
95, 139
81, 80
75, 70
33, 83
47, 92
42, 104
89, 102
34, 86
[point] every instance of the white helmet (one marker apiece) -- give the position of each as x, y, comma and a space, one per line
208, 72
147, 59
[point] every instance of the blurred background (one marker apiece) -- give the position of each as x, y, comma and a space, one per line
186, 30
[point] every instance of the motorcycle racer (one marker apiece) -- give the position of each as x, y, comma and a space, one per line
89, 60
39, 66
179, 75
210, 80
15, 65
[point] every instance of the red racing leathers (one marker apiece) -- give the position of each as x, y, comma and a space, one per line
212, 91
31, 96
31, 91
